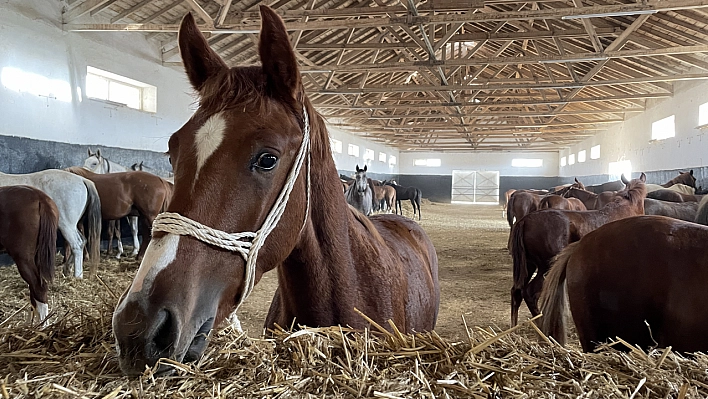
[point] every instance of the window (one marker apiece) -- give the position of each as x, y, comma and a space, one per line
595, 152
382, 157
336, 146
564, 161
617, 169
368, 154
581, 156
571, 159
353, 150
663, 129
526, 163
391, 160
433, 162
703, 114
107, 86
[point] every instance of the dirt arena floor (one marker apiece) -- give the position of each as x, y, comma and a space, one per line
475, 276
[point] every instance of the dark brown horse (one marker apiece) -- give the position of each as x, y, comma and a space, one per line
683, 178
255, 157
642, 279
541, 235
130, 193
28, 232
554, 201
521, 203
407, 193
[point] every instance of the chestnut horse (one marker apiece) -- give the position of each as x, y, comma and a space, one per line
384, 196
130, 194
554, 201
642, 279
673, 196
541, 235
255, 158
28, 232
590, 199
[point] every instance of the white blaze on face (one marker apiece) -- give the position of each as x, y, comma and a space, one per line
160, 253
208, 138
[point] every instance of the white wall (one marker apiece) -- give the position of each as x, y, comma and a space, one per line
32, 41
631, 139
483, 161
349, 162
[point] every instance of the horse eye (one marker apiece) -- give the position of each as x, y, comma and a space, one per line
267, 161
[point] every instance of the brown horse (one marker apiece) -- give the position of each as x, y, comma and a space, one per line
673, 196
554, 201
273, 176
130, 193
591, 200
678, 210
642, 279
384, 195
686, 178
521, 203
28, 232
541, 235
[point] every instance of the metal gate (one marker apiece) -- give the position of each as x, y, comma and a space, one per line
472, 187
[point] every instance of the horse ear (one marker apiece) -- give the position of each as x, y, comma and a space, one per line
364, 168
624, 179
200, 61
691, 172
576, 180
98, 152
357, 167
89, 152
643, 177
277, 55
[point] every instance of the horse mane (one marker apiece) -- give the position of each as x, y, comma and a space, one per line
635, 192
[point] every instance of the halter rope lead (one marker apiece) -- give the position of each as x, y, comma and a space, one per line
246, 243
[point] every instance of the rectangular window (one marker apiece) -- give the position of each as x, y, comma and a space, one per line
336, 146
703, 114
663, 129
571, 159
564, 161
433, 162
595, 152
368, 154
107, 86
391, 160
526, 163
581, 156
617, 169
382, 157
353, 150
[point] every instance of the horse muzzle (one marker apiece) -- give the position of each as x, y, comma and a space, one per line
143, 337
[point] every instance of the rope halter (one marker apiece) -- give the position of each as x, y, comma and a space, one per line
247, 243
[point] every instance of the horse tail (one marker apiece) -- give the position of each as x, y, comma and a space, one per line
418, 196
168, 195
702, 214
93, 233
518, 253
510, 211
553, 297
45, 255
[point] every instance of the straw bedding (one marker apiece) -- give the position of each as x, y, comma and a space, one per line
75, 357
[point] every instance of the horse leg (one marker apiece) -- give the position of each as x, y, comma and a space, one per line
134, 228
516, 299
38, 294
531, 293
417, 202
76, 241
145, 226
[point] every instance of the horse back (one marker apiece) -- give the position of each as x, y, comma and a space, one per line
406, 259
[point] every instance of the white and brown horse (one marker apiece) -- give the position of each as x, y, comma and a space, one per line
255, 158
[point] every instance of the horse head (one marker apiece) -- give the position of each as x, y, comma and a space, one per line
95, 162
239, 160
578, 184
686, 178
361, 181
634, 191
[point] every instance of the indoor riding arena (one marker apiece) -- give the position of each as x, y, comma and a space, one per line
353, 198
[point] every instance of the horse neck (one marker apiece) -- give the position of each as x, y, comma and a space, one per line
317, 277
114, 167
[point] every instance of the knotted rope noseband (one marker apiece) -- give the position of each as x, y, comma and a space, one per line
247, 243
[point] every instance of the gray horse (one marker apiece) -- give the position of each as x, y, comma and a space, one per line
360, 195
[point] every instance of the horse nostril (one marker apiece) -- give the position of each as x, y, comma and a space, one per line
166, 334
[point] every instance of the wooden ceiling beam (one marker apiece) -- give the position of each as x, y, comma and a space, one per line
81, 9
491, 114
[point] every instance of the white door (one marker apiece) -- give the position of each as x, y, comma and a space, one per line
472, 187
